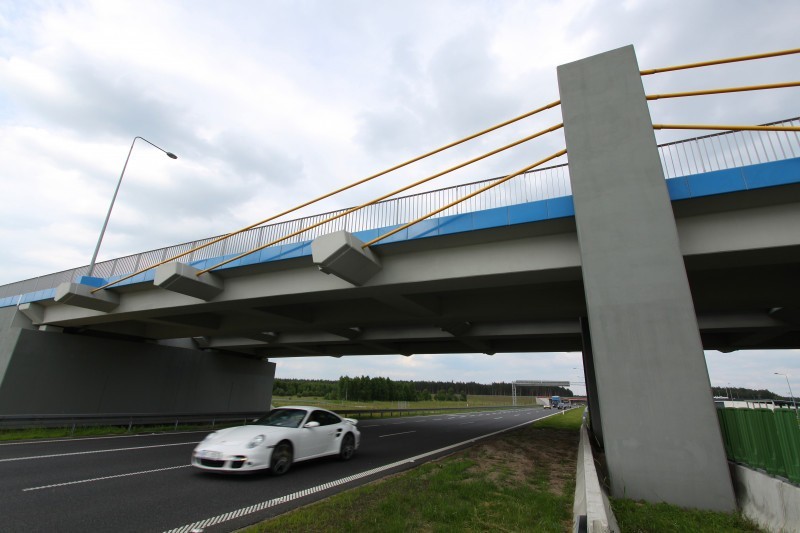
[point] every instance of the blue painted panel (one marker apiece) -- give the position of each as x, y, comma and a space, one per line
530, 212
92, 281
46, 294
560, 207
368, 235
399, 236
717, 182
490, 218
269, 254
424, 228
250, 259
678, 188
289, 251
455, 224
771, 174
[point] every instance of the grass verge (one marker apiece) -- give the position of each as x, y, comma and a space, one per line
643, 517
519, 481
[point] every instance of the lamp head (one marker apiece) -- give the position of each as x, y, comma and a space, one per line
171, 155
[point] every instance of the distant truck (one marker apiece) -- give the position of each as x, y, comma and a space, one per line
555, 402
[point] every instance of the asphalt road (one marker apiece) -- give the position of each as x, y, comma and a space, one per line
144, 483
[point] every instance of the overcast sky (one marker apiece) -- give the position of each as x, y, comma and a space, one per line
268, 103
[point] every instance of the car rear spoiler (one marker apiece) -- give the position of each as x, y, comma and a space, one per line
351, 421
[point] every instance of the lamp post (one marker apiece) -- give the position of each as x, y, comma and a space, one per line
794, 404
113, 198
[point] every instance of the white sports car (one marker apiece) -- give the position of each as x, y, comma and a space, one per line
278, 439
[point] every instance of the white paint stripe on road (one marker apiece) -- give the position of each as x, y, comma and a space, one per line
313, 490
105, 477
94, 451
393, 434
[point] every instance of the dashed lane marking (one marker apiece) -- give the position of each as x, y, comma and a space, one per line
54, 485
94, 451
393, 434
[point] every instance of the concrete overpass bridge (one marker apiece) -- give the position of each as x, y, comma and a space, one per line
600, 255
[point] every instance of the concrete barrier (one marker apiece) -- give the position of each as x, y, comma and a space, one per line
592, 510
770, 502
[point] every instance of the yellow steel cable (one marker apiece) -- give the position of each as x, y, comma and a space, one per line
723, 128
328, 195
385, 196
727, 90
467, 197
719, 62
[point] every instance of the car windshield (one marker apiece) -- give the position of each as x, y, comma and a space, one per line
284, 418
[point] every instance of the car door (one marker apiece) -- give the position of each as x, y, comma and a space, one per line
318, 440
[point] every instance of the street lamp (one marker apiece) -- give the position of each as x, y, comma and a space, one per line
113, 198
794, 404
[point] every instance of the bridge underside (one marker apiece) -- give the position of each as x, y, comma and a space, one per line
509, 289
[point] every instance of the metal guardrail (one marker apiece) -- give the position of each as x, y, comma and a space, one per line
212, 419
122, 419
691, 156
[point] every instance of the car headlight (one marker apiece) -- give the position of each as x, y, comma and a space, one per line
258, 440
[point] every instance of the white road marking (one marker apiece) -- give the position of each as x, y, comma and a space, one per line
105, 477
225, 517
94, 451
498, 418
465, 423
393, 434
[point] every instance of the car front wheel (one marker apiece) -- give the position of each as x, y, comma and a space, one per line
281, 459
348, 447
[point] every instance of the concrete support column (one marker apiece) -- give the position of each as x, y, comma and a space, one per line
660, 429
593, 397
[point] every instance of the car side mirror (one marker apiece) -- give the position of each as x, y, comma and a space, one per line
312, 425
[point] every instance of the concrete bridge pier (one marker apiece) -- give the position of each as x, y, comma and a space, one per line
658, 422
52, 372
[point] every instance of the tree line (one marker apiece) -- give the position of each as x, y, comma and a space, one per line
745, 394
365, 389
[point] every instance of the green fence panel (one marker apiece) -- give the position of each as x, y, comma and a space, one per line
788, 429
764, 439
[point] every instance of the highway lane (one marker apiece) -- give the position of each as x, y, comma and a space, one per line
144, 483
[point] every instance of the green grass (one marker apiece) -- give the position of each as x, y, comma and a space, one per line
643, 517
520, 481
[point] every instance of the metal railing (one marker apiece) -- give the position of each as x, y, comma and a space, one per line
722, 151
691, 156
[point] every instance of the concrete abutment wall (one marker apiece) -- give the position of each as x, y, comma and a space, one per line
57, 373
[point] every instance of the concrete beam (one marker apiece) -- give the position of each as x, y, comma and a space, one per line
182, 278
341, 254
79, 295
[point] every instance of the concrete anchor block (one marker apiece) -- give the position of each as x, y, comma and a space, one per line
34, 312
182, 278
341, 254
82, 296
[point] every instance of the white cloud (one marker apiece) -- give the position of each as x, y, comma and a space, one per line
270, 103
